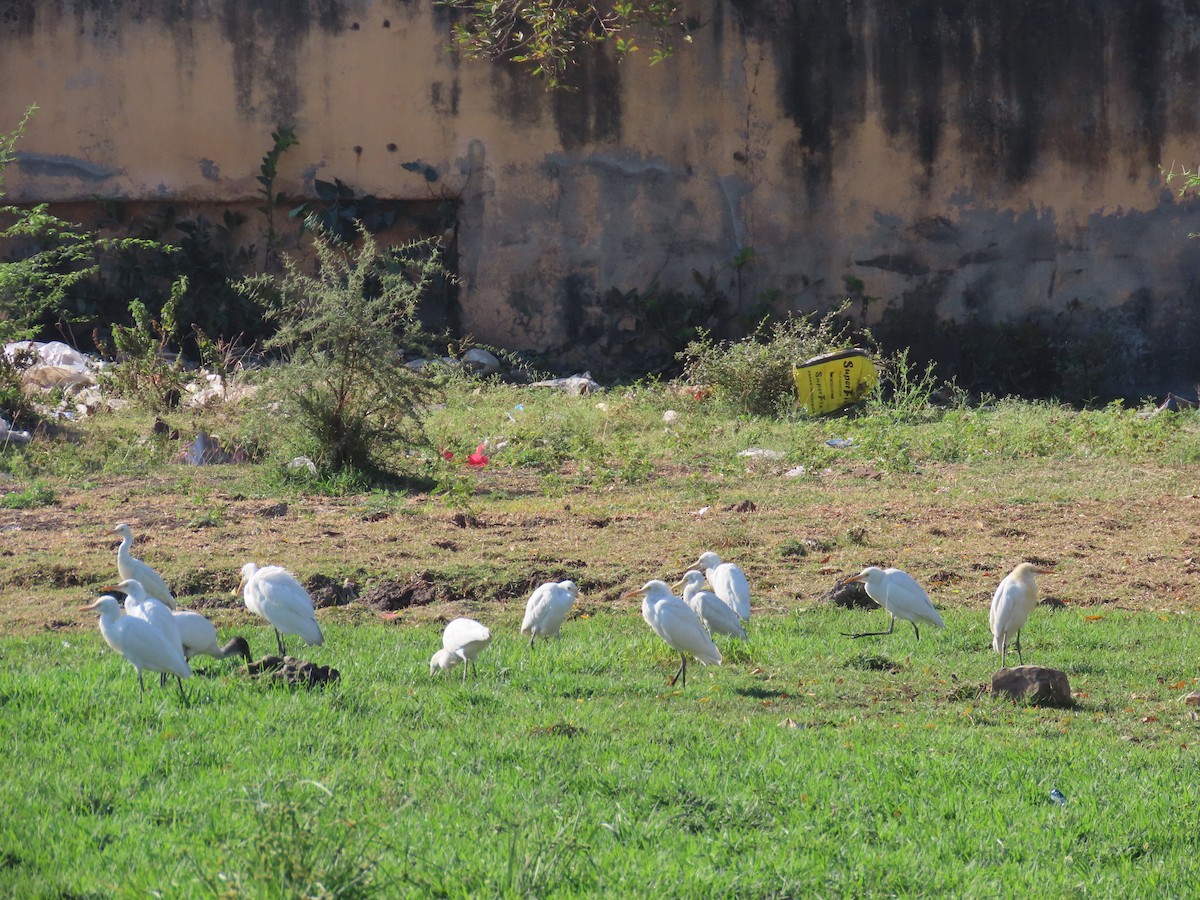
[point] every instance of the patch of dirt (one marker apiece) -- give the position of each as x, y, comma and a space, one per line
420, 590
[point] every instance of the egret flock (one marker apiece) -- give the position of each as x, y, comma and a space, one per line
153, 635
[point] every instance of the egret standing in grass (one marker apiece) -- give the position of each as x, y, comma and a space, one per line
676, 623
717, 617
142, 645
274, 593
199, 637
727, 581
462, 641
149, 609
547, 609
898, 593
1011, 605
130, 567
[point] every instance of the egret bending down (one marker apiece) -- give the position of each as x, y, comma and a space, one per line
199, 636
898, 593
716, 616
462, 641
547, 609
676, 623
728, 582
152, 610
130, 567
142, 645
1011, 605
274, 593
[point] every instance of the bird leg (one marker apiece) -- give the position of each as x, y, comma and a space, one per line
682, 671
141, 683
1019, 660
532, 638
914, 625
279, 640
891, 628
181, 693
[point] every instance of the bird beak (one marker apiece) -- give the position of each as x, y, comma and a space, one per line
110, 589
631, 594
857, 579
680, 583
89, 607
1045, 571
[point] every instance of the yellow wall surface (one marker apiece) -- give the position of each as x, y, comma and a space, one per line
995, 165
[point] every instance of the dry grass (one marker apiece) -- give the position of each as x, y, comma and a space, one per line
1116, 536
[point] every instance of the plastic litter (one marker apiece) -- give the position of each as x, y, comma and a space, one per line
57, 365
840, 443
828, 382
761, 453
576, 384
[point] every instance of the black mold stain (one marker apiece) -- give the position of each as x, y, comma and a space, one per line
589, 109
1014, 80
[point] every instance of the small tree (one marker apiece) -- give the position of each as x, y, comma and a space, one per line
342, 332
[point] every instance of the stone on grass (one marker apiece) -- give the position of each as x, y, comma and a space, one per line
1037, 685
480, 362
289, 670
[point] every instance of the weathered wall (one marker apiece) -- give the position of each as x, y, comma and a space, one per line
967, 162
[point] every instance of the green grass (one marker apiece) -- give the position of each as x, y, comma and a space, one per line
808, 765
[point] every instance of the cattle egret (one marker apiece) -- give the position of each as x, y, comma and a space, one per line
130, 567
274, 593
547, 609
674, 622
728, 582
898, 593
199, 637
1011, 605
142, 645
462, 641
151, 610
716, 616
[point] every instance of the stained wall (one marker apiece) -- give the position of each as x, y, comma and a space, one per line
940, 162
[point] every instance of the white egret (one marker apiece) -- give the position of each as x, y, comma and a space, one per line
130, 567
274, 593
199, 637
547, 609
676, 623
897, 592
149, 609
1011, 605
142, 645
716, 616
462, 641
727, 581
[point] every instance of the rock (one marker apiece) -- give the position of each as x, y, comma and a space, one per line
576, 384
290, 670
1037, 685
852, 595
392, 595
1192, 699
480, 362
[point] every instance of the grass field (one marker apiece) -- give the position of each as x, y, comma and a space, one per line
809, 764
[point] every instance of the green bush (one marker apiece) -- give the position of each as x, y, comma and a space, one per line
344, 397
754, 375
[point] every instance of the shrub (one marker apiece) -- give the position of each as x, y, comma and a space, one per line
754, 375
343, 332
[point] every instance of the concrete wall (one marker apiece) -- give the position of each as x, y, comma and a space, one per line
951, 165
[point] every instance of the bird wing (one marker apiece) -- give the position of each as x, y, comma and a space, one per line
717, 615
275, 594
681, 628
197, 633
146, 647
729, 583
537, 607
460, 633
906, 599
1009, 611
